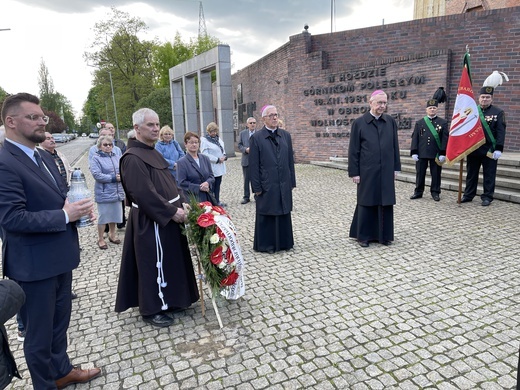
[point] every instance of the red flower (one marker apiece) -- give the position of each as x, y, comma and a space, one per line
229, 256
205, 220
220, 233
216, 256
230, 280
203, 204
219, 210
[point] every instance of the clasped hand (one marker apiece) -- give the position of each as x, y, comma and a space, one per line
180, 216
204, 187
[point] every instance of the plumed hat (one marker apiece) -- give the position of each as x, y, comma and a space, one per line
493, 80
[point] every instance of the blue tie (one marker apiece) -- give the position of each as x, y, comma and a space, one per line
43, 168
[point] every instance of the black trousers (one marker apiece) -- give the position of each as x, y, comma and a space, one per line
489, 171
216, 187
247, 182
46, 316
435, 172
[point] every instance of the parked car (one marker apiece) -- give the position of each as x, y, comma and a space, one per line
93, 135
84, 134
60, 138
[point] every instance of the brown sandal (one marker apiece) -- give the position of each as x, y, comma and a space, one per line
116, 241
104, 246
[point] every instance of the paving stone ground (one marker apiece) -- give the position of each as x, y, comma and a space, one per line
439, 309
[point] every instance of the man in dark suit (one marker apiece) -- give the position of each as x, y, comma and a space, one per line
429, 140
243, 146
40, 245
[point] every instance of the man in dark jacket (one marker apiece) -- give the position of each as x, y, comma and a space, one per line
243, 146
494, 123
40, 245
373, 163
271, 168
12, 298
429, 140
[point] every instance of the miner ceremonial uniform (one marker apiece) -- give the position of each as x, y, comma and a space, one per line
428, 147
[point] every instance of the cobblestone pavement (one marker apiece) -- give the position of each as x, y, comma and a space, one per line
438, 309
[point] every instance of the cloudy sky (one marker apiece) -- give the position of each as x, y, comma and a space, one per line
60, 31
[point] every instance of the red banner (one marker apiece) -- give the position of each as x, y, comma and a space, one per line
466, 132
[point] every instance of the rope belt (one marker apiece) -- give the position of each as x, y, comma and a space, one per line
170, 201
161, 282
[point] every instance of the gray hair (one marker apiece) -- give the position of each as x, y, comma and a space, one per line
131, 134
102, 139
2, 134
138, 116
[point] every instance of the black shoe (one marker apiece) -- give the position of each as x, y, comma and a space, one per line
486, 202
363, 244
386, 243
160, 320
121, 225
416, 196
222, 204
73, 295
244, 201
436, 197
465, 200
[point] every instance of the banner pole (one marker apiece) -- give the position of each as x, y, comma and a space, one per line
201, 288
216, 310
461, 167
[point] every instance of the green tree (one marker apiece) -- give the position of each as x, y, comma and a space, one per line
169, 54
166, 56
3, 94
118, 52
54, 101
159, 101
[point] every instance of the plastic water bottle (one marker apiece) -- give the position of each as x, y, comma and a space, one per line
78, 191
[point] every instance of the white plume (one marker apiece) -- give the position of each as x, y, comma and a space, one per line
495, 79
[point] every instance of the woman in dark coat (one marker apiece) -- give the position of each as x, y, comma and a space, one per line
271, 168
194, 172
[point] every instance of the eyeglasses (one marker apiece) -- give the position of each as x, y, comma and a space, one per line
382, 103
34, 117
108, 144
273, 116
193, 142
252, 123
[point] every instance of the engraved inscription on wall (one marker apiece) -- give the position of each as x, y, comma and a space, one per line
344, 97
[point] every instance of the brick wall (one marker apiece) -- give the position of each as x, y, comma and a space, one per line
412, 58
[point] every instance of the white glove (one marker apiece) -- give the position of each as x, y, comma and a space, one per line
442, 159
497, 154
415, 157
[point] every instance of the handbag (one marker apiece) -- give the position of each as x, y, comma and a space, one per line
212, 198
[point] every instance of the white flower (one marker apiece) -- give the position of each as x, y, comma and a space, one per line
214, 239
207, 209
222, 264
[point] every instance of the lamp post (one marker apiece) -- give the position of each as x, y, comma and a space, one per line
114, 100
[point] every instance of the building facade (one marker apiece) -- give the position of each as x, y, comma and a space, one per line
432, 8
321, 83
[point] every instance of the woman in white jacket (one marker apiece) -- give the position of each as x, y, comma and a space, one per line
213, 147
